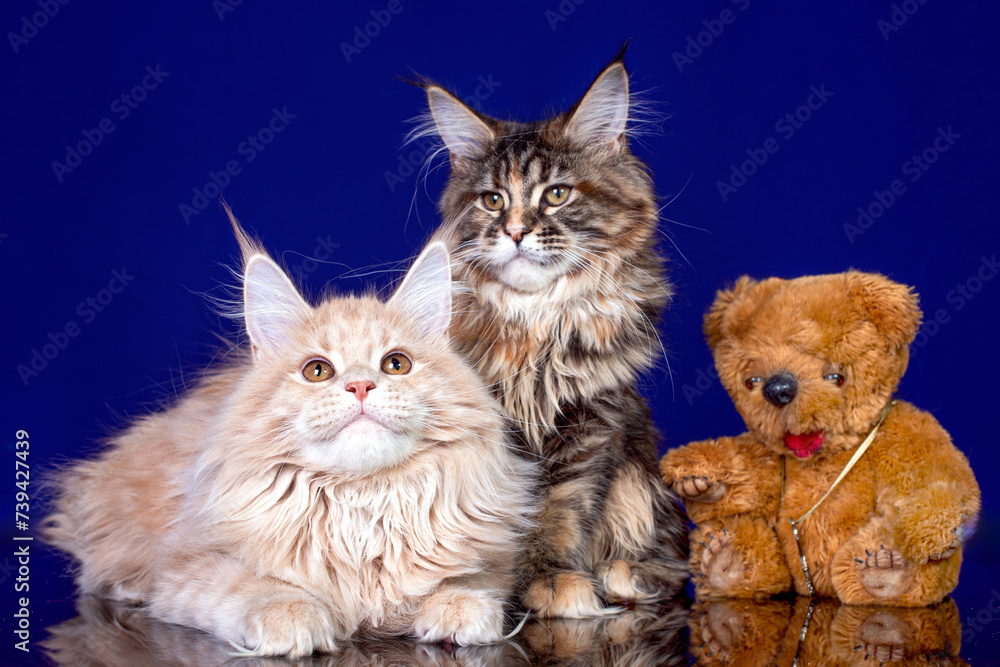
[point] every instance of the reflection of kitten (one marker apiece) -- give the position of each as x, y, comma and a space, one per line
349, 473
552, 229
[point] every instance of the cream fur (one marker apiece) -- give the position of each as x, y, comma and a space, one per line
256, 508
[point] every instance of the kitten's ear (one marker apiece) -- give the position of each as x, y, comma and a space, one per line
425, 294
272, 308
598, 120
463, 131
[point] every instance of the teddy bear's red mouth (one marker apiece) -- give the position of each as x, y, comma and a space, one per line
804, 445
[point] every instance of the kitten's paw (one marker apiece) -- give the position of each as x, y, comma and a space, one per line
293, 626
565, 595
461, 616
884, 573
721, 563
641, 582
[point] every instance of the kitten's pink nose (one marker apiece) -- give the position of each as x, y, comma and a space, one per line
360, 388
515, 232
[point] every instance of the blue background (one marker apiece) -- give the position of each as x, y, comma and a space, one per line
339, 175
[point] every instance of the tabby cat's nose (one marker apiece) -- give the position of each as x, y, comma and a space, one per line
515, 232
360, 388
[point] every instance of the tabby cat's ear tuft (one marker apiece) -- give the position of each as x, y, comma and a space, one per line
425, 294
464, 133
597, 121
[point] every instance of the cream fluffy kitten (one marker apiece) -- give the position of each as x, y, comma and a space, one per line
347, 474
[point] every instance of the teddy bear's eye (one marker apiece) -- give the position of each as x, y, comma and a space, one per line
751, 382
835, 377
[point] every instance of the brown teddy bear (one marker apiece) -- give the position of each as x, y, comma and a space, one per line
811, 365
815, 631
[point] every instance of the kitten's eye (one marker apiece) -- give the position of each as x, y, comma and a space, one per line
750, 383
317, 370
493, 201
836, 377
557, 195
396, 363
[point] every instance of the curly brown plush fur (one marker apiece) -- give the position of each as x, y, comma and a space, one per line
811, 364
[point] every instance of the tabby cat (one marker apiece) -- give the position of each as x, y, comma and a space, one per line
344, 474
552, 227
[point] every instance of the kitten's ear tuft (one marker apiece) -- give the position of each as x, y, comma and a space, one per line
425, 294
598, 120
463, 131
272, 307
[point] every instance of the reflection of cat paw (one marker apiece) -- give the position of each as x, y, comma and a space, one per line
293, 627
882, 638
721, 564
884, 573
564, 595
461, 616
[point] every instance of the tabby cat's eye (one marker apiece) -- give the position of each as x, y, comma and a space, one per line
493, 201
317, 370
557, 195
396, 363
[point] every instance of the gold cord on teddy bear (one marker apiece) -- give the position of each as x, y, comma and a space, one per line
862, 448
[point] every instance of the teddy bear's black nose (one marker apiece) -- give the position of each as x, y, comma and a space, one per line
779, 390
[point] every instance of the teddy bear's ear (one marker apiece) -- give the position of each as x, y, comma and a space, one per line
716, 315
893, 308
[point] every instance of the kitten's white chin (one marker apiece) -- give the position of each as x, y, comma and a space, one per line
362, 446
527, 276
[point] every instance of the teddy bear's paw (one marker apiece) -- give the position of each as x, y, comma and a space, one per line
882, 638
885, 573
721, 563
700, 488
721, 630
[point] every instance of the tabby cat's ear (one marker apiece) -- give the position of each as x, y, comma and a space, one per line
425, 294
272, 308
597, 121
463, 131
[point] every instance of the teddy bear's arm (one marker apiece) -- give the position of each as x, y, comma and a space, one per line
720, 477
925, 486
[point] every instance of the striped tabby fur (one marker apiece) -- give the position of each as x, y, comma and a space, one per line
556, 305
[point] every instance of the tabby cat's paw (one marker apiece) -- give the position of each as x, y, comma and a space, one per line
565, 595
461, 616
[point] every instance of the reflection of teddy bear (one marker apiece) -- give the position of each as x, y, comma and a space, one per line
808, 631
811, 365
